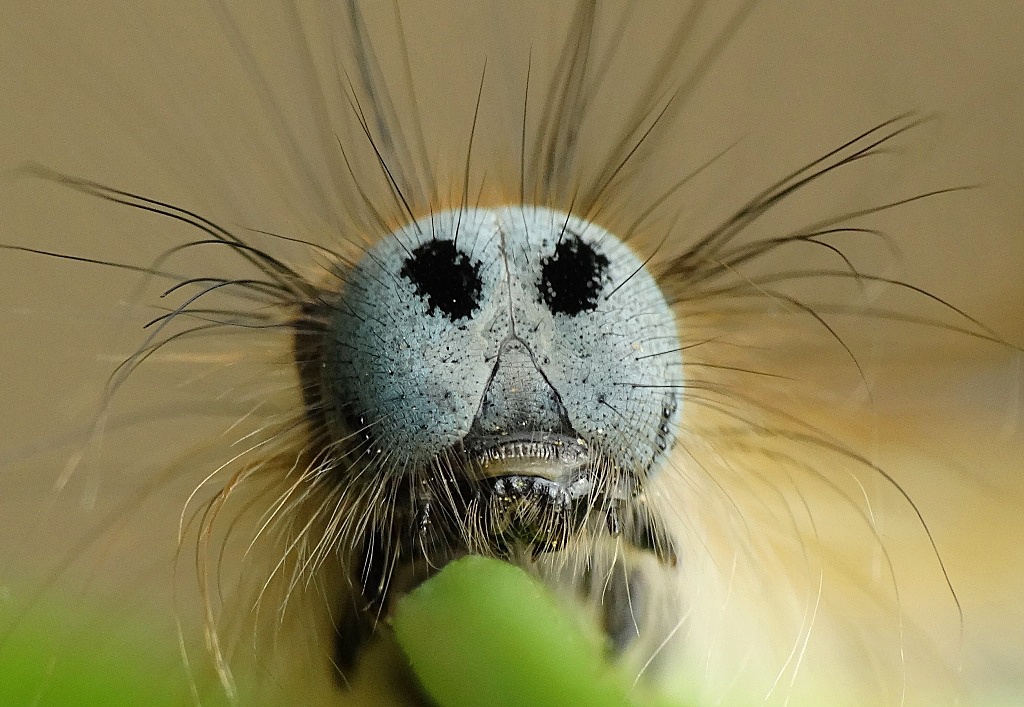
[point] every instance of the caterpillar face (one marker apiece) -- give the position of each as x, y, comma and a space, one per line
504, 382
518, 360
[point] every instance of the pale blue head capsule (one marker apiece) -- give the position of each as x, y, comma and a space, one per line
521, 340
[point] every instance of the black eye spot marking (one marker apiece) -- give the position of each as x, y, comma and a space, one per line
572, 277
445, 277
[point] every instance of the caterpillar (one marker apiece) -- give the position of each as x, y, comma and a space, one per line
399, 283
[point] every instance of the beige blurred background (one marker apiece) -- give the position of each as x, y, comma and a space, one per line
149, 96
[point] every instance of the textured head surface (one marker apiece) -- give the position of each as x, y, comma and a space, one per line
487, 327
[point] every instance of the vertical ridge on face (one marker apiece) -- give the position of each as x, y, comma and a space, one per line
519, 396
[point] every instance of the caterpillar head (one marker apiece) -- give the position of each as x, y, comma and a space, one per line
512, 374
